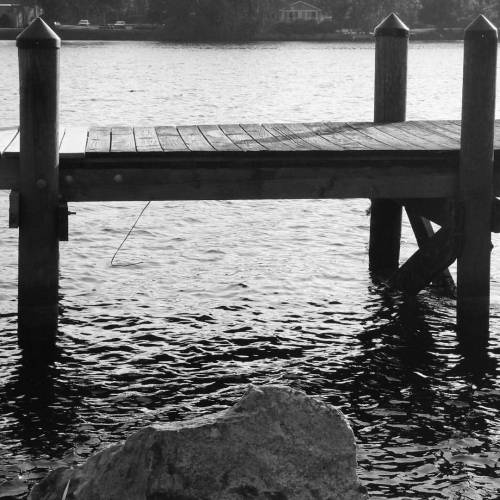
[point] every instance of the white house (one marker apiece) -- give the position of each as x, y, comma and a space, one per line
301, 11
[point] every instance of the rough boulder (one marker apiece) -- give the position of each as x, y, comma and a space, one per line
274, 444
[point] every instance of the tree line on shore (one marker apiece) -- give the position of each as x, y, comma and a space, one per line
243, 19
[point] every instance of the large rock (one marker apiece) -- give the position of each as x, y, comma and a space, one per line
274, 444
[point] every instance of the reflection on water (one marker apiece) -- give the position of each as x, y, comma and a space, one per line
424, 423
414, 413
235, 292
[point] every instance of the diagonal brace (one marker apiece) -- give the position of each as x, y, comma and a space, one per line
433, 257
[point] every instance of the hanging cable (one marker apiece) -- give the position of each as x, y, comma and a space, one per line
126, 238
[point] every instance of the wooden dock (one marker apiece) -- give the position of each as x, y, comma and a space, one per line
447, 172
417, 159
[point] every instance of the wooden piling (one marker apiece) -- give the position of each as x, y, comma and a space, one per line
38, 48
476, 184
391, 62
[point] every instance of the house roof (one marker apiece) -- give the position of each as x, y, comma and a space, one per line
301, 6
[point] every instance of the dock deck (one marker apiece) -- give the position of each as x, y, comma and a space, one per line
417, 159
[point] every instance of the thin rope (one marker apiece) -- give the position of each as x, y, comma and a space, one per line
126, 238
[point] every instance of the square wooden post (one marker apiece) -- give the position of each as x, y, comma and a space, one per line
475, 197
391, 63
38, 284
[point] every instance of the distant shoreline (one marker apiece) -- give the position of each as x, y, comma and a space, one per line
159, 34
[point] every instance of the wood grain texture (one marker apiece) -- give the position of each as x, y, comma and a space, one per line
391, 69
122, 140
434, 134
99, 140
399, 133
241, 138
309, 136
390, 141
146, 140
289, 139
194, 139
326, 133
344, 136
170, 140
264, 137
217, 138
370, 137
446, 128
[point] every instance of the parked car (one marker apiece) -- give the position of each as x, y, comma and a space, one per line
83, 22
120, 24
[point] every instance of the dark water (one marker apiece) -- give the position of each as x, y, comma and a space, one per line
222, 294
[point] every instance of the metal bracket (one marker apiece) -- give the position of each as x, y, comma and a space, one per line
62, 220
14, 209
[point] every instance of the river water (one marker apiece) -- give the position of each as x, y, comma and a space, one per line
208, 297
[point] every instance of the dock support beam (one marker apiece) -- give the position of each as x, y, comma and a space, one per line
475, 195
38, 277
391, 66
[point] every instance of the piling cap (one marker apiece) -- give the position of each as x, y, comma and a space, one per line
38, 35
481, 27
392, 26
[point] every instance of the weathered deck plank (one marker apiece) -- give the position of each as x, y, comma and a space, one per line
434, 134
146, 140
325, 132
194, 139
289, 139
400, 134
99, 140
309, 137
396, 143
241, 138
217, 138
445, 128
170, 140
264, 137
122, 140
335, 132
363, 138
